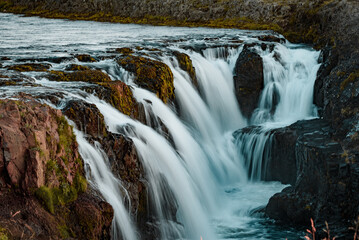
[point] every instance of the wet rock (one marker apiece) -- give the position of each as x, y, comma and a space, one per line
86, 117
85, 58
271, 38
185, 63
122, 155
124, 51
30, 67
120, 96
328, 59
150, 74
75, 67
93, 76
326, 177
248, 80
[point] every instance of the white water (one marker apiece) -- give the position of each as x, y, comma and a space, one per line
198, 169
289, 76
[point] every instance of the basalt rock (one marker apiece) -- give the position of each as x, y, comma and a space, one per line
326, 176
153, 75
248, 80
41, 177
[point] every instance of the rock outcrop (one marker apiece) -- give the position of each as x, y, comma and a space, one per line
43, 191
150, 74
248, 80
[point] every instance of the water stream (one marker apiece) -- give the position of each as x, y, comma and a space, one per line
212, 178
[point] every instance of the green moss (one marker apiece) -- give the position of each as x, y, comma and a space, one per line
85, 58
185, 63
351, 78
151, 74
120, 97
124, 51
66, 136
64, 231
65, 193
75, 67
46, 196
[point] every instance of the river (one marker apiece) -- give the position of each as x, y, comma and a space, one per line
213, 178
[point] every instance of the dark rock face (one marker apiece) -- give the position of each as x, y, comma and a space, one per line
41, 177
326, 177
248, 80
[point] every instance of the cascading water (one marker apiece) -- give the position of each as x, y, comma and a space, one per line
192, 166
289, 76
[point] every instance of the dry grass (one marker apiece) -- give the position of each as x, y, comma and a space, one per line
311, 233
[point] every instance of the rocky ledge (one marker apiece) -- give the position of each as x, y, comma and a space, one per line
43, 191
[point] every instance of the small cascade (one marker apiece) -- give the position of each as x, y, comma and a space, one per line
101, 177
289, 76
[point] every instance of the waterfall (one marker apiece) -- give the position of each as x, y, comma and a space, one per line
201, 179
289, 76
100, 175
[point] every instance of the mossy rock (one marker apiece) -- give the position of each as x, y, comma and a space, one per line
124, 51
120, 96
85, 58
150, 74
185, 63
75, 67
93, 76
30, 67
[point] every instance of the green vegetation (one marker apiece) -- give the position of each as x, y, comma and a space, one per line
120, 97
3, 234
65, 193
185, 63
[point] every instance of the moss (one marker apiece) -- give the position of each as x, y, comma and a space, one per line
75, 67
51, 197
93, 76
150, 74
30, 67
45, 195
66, 136
120, 97
85, 58
185, 63
350, 79
124, 51
3, 234
64, 231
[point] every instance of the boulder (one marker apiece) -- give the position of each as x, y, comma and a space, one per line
150, 74
185, 63
248, 80
42, 177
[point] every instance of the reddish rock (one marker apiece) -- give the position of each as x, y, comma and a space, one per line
41, 177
